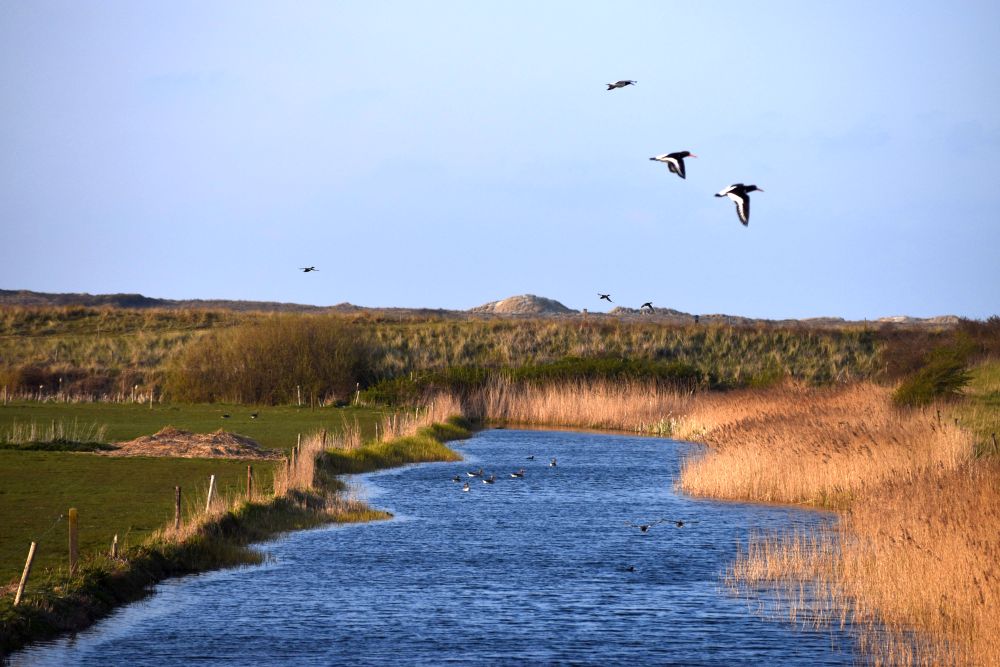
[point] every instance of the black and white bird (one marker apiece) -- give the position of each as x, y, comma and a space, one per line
456, 478
490, 480
740, 194
307, 269
621, 84
648, 304
643, 527
519, 473
254, 415
466, 487
674, 161
477, 473
225, 415
606, 297
552, 463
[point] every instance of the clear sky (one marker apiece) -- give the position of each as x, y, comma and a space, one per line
445, 154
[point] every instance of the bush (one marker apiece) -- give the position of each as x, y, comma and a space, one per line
266, 361
943, 374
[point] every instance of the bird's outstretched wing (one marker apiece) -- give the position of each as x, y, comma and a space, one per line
742, 207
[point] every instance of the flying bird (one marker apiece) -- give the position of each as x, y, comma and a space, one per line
648, 304
643, 527
680, 523
307, 269
606, 297
621, 84
675, 161
740, 194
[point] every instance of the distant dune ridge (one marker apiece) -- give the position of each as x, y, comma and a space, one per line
521, 305
524, 304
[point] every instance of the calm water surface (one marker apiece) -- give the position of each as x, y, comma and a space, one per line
524, 570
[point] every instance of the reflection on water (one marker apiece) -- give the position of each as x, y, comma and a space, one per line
542, 569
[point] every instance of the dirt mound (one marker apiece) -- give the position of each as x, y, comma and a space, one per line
171, 441
525, 304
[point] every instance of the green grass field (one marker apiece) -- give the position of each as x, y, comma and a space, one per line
129, 496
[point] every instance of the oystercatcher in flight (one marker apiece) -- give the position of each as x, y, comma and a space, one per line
307, 269
675, 161
648, 304
621, 84
606, 297
740, 194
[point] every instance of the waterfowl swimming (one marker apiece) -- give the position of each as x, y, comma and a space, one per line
740, 194
630, 568
307, 269
674, 161
531, 458
477, 473
490, 480
680, 523
466, 487
552, 463
456, 478
519, 473
606, 297
621, 84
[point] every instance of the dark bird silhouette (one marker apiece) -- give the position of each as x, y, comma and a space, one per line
740, 194
225, 416
531, 458
697, 318
307, 269
490, 480
477, 473
552, 463
456, 478
630, 568
254, 415
674, 161
621, 84
606, 297
643, 527
680, 523
519, 473
648, 304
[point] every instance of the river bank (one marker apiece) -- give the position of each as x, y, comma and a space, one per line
307, 493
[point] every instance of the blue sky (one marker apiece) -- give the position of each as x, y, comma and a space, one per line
450, 153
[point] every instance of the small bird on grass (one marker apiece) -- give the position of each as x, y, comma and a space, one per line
674, 161
225, 415
621, 84
254, 415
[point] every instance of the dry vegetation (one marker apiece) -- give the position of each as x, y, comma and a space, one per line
915, 547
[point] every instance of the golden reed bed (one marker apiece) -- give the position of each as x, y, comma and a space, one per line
917, 542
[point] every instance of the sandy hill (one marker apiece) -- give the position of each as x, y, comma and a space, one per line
524, 304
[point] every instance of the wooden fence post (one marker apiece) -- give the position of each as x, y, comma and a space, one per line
177, 508
211, 490
74, 549
25, 574
249, 481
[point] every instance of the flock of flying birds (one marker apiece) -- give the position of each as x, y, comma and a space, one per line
738, 192
519, 474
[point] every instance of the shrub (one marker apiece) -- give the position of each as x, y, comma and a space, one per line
943, 374
268, 361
